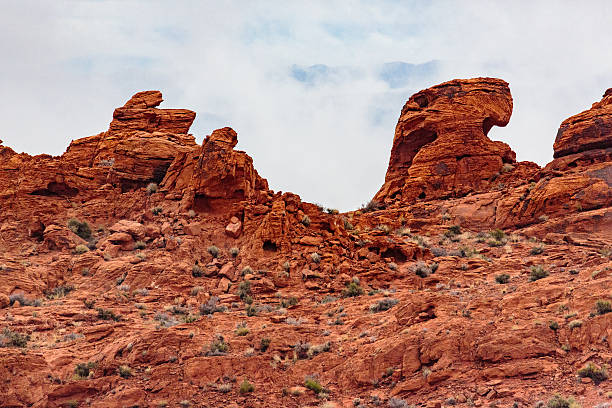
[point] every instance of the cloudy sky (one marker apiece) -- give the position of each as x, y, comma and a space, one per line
313, 88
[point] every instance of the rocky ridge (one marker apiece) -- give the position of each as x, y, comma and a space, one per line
140, 269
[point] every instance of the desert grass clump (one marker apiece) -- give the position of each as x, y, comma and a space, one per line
286, 266
371, 206
595, 373
574, 324
197, 271
553, 325
242, 329
140, 245
537, 250
502, 278
124, 371
313, 384
82, 370
353, 289
152, 188
264, 344
105, 314
218, 347
9, 338
211, 306
306, 221
244, 289
383, 304
59, 291
213, 251
290, 301
316, 258
234, 252
81, 249
80, 228
421, 269
246, 387
603, 307
557, 401
537, 272
452, 231
156, 210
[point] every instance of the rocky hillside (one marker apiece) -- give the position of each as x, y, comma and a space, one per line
140, 269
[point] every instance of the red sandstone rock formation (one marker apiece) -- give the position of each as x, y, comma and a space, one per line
390, 306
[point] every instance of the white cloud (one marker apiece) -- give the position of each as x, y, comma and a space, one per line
67, 65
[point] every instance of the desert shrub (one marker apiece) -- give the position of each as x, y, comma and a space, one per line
385, 229
213, 250
156, 210
59, 291
597, 374
397, 403
287, 303
553, 325
537, 250
557, 401
23, 301
537, 272
244, 289
140, 245
82, 370
197, 271
306, 221
246, 387
328, 299
507, 167
264, 344
372, 205
81, 249
575, 323
196, 289
316, 258
383, 304
421, 269
82, 229
152, 188
89, 303
242, 329
318, 349
497, 234
218, 347
452, 231
211, 306
124, 371
234, 252
502, 278
347, 225
251, 310
9, 338
392, 266
352, 289
105, 314
311, 383
603, 307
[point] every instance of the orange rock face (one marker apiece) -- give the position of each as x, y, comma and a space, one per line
441, 148
475, 280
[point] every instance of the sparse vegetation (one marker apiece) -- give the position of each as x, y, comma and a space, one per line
316, 258
197, 271
264, 344
352, 289
421, 269
306, 221
246, 387
156, 210
383, 304
557, 401
242, 329
574, 324
595, 373
105, 314
218, 347
502, 278
9, 338
453, 231
537, 250
244, 289
82, 370
213, 251
59, 291
371, 206
211, 306
82, 229
81, 249
234, 252
140, 245
313, 384
152, 188
124, 371
603, 307
537, 272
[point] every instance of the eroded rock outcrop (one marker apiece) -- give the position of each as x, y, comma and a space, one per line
441, 148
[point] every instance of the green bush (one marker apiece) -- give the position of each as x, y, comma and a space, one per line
125, 371
244, 289
537, 272
452, 231
246, 387
105, 314
264, 344
213, 250
218, 347
497, 234
352, 290
558, 401
312, 384
152, 188
9, 338
502, 278
603, 307
82, 229
82, 370
597, 374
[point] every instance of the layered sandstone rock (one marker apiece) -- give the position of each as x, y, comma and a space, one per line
441, 148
